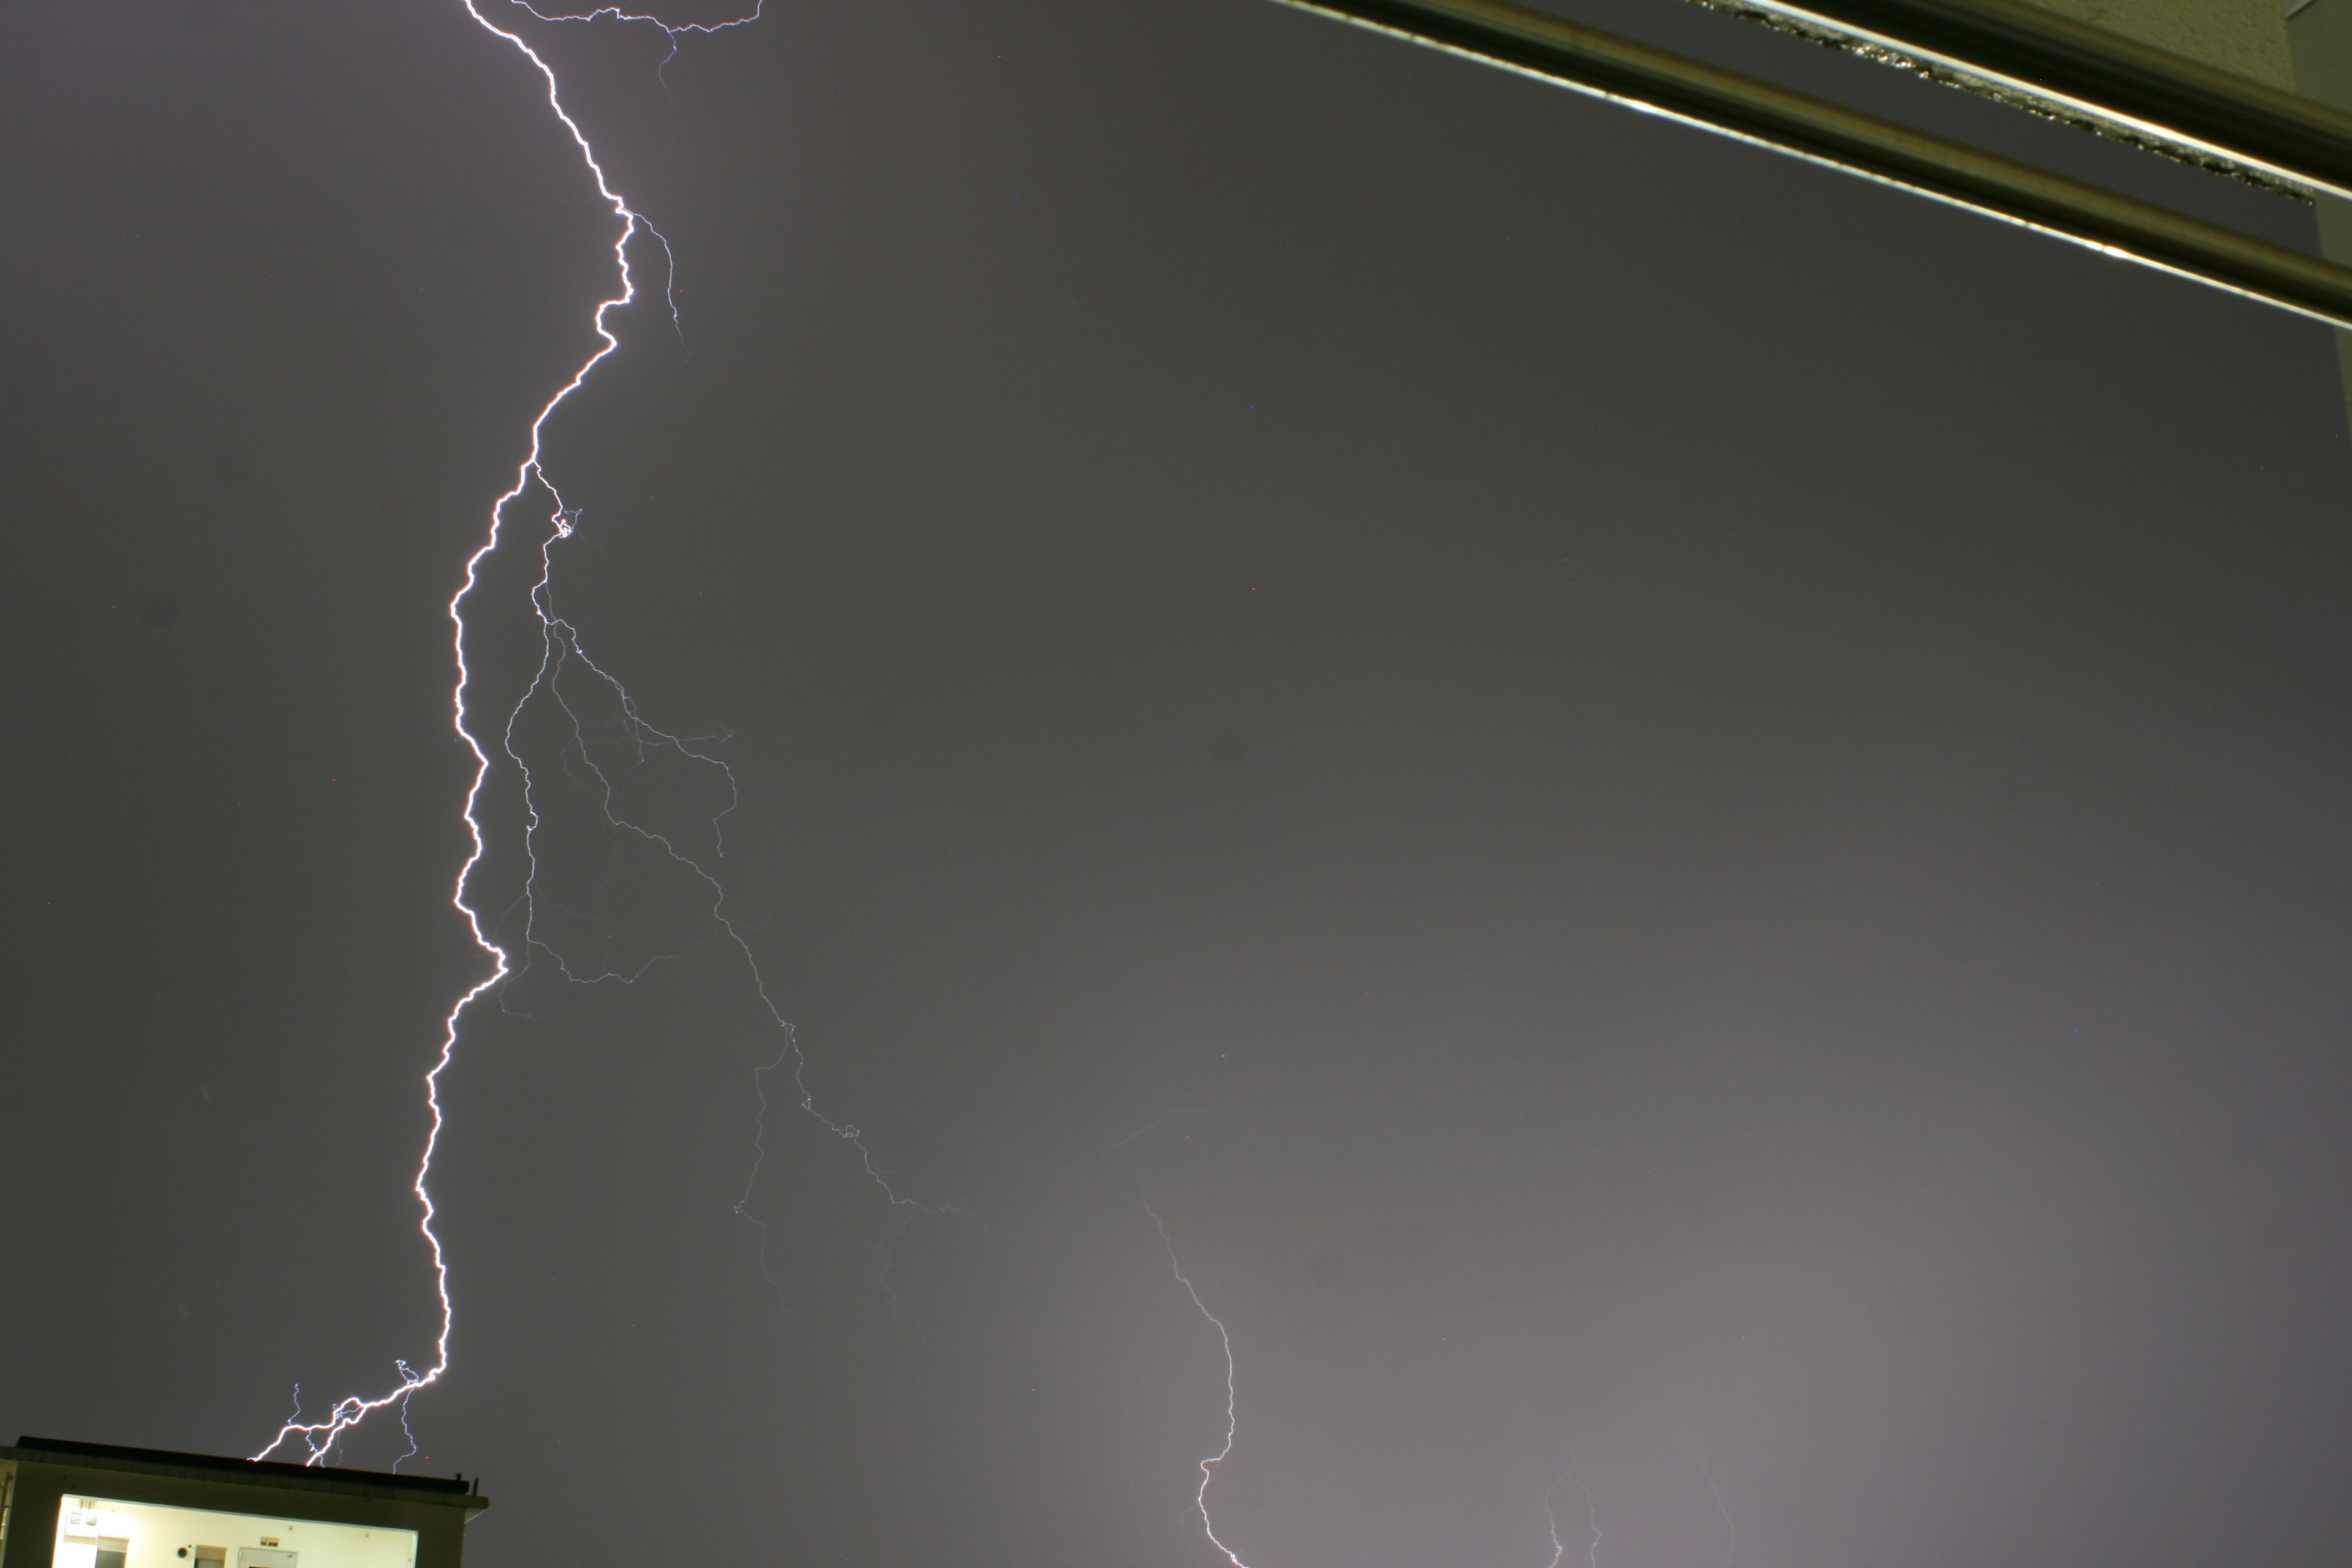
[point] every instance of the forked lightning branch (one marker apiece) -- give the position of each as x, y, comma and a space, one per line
315, 1440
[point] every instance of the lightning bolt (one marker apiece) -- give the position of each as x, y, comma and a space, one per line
1551, 1522
1569, 1477
1591, 1518
1208, 1466
675, 31
561, 650
1730, 1525
405, 1429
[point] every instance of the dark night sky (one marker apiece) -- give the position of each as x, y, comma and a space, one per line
1717, 796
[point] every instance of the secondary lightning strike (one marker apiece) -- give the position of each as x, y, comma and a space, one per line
1551, 1522
1591, 1518
1208, 1466
561, 644
1730, 1525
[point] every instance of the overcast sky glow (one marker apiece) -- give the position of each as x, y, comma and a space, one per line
1685, 818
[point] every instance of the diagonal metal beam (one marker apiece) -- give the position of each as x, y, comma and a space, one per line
2118, 86
1535, 44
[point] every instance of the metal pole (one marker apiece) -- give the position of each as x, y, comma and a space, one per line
1535, 43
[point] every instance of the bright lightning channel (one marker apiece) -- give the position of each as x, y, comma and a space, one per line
559, 645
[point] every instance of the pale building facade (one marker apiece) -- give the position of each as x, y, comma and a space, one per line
88, 1505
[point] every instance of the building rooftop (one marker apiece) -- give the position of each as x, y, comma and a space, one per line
322, 1479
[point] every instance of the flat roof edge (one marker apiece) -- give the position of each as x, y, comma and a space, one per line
272, 1473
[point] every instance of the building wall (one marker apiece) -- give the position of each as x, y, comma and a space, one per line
156, 1534
41, 1490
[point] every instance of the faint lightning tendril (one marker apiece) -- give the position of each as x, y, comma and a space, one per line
674, 30
405, 1430
1208, 1466
1094, 1157
1730, 1525
1591, 1516
561, 645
